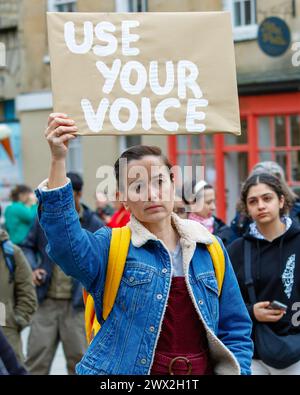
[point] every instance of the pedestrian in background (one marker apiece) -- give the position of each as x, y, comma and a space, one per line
20, 214
17, 293
121, 216
240, 224
104, 209
202, 207
180, 207
267, 264
60, 316
9, 365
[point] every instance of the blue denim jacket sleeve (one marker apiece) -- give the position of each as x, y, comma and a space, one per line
235, 324
80, 253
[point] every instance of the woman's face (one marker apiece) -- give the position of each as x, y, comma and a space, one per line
207, 204
263, 204
149, 193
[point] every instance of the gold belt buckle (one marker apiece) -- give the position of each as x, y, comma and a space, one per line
187, 361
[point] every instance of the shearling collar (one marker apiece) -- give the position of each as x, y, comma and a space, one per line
191, 231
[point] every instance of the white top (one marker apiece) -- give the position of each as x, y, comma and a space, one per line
177, 261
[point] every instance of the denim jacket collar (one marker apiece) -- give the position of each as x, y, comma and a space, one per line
191, 231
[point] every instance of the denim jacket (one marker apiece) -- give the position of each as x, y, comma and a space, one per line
127, 340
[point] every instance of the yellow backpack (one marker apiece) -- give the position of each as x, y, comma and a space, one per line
119, 245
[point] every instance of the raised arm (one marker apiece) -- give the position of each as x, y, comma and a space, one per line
59, 132
81, 254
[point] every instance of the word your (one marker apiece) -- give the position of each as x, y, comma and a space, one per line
134, 78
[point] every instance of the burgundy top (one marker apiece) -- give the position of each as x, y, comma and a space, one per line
182, 334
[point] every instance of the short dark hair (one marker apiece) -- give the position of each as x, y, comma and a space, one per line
138, 152
272, 182
17, 190
76, 181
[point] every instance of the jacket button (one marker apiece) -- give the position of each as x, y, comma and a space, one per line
143, 361
151, 329
200, 301
164, 270
131, 279
159, 296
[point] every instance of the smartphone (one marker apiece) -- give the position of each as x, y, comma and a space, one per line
277, 305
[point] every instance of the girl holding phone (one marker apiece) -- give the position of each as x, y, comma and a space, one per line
274, 252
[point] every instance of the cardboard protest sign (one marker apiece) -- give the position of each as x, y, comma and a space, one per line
144, 73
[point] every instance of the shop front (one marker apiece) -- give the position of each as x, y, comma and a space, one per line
270, 131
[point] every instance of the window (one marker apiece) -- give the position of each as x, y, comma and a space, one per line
231, 139
279, 141
74, 158
7, 111
62, 5
138, 5
11, 173
131, 5
197, 150
126, 142
133, 140
9, 49
236, 162
243, 13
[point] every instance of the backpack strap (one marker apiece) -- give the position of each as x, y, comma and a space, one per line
218, 258
118, 251
90, 320
116, 261
247, 272
8, 253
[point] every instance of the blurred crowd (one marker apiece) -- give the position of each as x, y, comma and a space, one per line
35, 292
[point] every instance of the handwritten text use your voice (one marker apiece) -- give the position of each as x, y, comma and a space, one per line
185, 71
